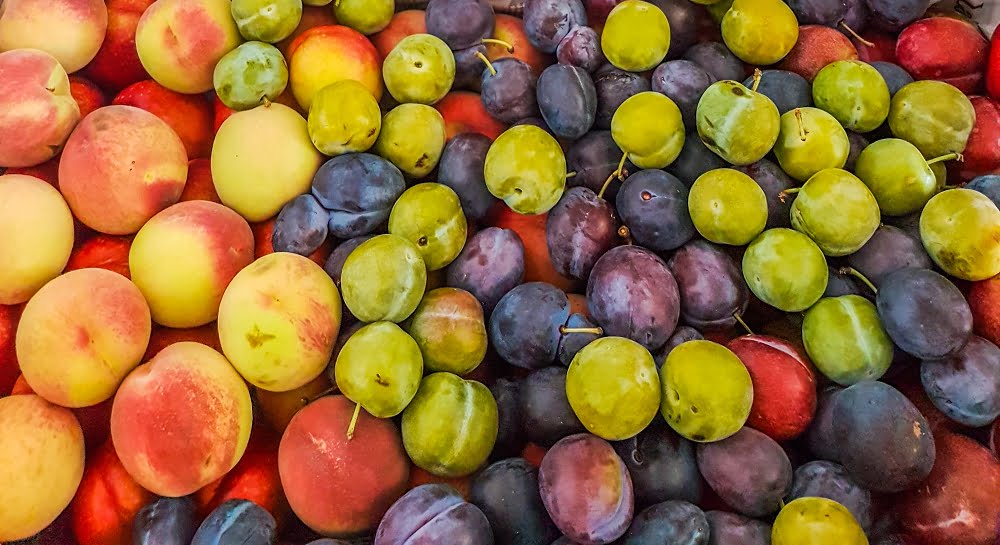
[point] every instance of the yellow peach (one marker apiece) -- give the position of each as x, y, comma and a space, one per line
72, 31
328, 54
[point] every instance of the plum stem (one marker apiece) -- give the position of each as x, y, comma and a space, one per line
489, 65
590, 330
757, 75
267, 102
354, 421
857, 274
570, 175
739, 320
802, 126
949, 157
617, 173
857, 36
624, 232
790, 191
508, 45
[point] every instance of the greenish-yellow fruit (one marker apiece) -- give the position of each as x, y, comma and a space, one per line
837, 211
785, 269
430, 216
383, 279
344, 118
845, 339
854, 93
412, 138
738, 124
266, 20
898, 176
760, 32
809, 141
816, 521
379, 367
250, 75
648, 127
932, 115
525, 167
448, 326
636, 36
960, 229
420, 69
727, 207
365, 16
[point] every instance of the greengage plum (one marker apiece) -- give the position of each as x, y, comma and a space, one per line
648, 144
854, 93
429, 215
509, 95
546, 22
933, 116
526, 168
653, 205
711, 287
889, 250
732, 529
365, 16
546, 415
461, 169
727, 207
898, 176
787, 90
249, 75
717, 60
412, 138
431, 514
525, 325
166, 521
490, 265
379, 368
383, 279
507, 493
420, 69
760, 32
816, 521
737, 123
846, 340
772, 180
809, 141
567, 99
837, 211
966, 386
636, 36
269, 21
449, 329
359, 190
675, 522
344, 118
581, 47
662, 465
240, 521
578, 231
785, 269
924, 313
830, 480
960, 229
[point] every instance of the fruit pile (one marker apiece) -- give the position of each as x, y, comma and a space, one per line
487, 272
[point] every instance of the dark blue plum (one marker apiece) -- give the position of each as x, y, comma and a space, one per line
593, 158
461, 168
524, 326
717, 60
469, 69
895, 76
773, 181
546, 22
490, 265
359, 190
924, 313
460, 23
748, 470
787, 90
858, 143
889, 250
694, 160
818, 12
546, 415
732, 529
909, 223
820, 437
433, 514
574, 337
966, 386
581, 48
237, 522
579, 229
673, 522
840, 283
301, 226
662, 465
509, 95
711, 285
683, 82
614, 86
681, 335
684, 17
510, 439
830, 480
893, 15
166, 521
653, 205
856, 19
507, 493
567, 99
988, 185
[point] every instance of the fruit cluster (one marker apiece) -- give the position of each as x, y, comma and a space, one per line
477, 272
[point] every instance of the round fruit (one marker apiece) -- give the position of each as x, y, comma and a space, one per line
934, 116
898, 176
344, 118
960, 229
383, 279
738, 124
526, 168
420, 69
430, 216
636, 36
365, 16
379, 367
251, 74
845, 339
810, 141
785, 269
649, 128
727, 207
816, 521
412, 138
449, 328
267, 20
854, 93
837, 211
760, 32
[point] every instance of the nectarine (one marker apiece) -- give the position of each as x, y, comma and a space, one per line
327, 54
107, 500
70, 30
190, 116
116, 65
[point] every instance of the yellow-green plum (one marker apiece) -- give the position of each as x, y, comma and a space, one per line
365, 16
809, 141
845, 339
420, 69
837, 211
251, 74
430, 216
344, 118
636, 36
897, 174
450, 330
934, 116
738, 124
412, 138
649, 127
383, 279
379, 367
785, 269
854, 93
760, 32
816, 521
526, 168
266, 20
727, 207
960, 229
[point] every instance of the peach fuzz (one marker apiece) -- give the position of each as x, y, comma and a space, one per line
190, 116
87, 94
199, 186
463, 111
102, 252
182, 420
510, 29
279, 320
116, 65
120, 167
107, 501
361, 477
312, 17
80, 335
262, 233
278, 408
403, 24
95, 420
37, 110
180, 41
38, 236
263, 158
70, 30
41, 464
163, 337
327, 54
184, 257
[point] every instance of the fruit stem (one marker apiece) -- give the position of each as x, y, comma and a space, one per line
791, 191
857, 37
616, 174
354, 421
508, 45
857, 274
949, 157
624, 232
570, 175
266, 101
757, 74
739, 320
802, 127
489, 65
590, 330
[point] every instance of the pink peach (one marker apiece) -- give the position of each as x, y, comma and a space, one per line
328, 54
190, 116
121, 166
70, 30
117, 65
87, 94
463, 111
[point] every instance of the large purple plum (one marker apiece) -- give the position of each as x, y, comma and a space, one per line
237, 521
546, 415
653, 204
824, 479
432, 514
662, 465
490, 265
748, 470
507, 493
673, 522
525, 325
579, 230
966, 386
711, 285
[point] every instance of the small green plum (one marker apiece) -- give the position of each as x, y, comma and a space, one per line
845, 339
412, 138
526, 168
816, 521
344, 118
727, 207
898, 176
854, 93
738, 124
430, 216
636, 36
810, 140
960, 229
932, 115
648, 127
837, 211
266, 20
760, 32
420, 69
384, 278
249, 75
785, 269
379, 367
365, 16
448, 326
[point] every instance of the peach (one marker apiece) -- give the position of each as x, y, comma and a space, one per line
531, 229
190, 116
95, 420
184, 257
41, 464
102, 252
327, 54
116, 65
199, 186
404, 23
70, 30
120, 167
262, 233
279, 320
180, 41
47, 171
340, 487
106, 501
882, 48
817, 47
38, 236
263, 158
9, 369
463, 111
163, 337
37, 110
510, 29
984, 300
278, 408
943, 48
87, 94
182, 420
80, 335
221, 113
312, 17
982, 151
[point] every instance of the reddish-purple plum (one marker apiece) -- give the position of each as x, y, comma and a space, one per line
579, 230
711, 286
432, 514
824, 479
748, 470
966, 386
490, 265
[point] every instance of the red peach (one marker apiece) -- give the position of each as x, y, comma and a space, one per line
278, 408
106, 501
982, 152
116, 65
102, 252
312, 17
9, 370
784, 386
163, 337
420, 476
47, 171
183, 259
190, 116
42, 456
403, 24
993, 67
537, 263
220, 113
182, 420
121, 166
327, 54
262, 243
95, 420
510, 29
984, 300
199, 186
942, 48
361, 477
463, 111
817, 47
69, 30
87, 94
37, 110
180, 42
882, 48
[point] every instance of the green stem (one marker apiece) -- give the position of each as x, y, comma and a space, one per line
857, 274
739, 320
354, 421
949, 157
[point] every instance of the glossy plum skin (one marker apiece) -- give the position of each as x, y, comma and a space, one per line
429, 513
579, 230
474, 22
966, 386
359, 190
924, 313
593, 158
546, 415
524, 326
787, 90
166, 521
490, 265
732, 529
567, 99
301, 227
662, 465
614, 86
509, 95
237, 521
546, 22
461, 168
653, 204
674, 522
507, 493
683, 82
772, 180
572, 343
711, 286
824, 479
581, 47
748, 470
889, 250
694, 160
717, 60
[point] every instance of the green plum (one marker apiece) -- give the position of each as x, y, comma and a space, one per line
525, 167
760, 32
837, 211
960, 229
707, 392
379, 367
785, 269
448, 326
727, 207
266, 20
636, 36
383, 279
450, 427
249, 75
430, 216
854, 93
738, 124
649, 128
365, 16
845, 339
420, 69
897, 174
816, 521
613, 387
344, 118
810, 140
932, 115
412, 138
